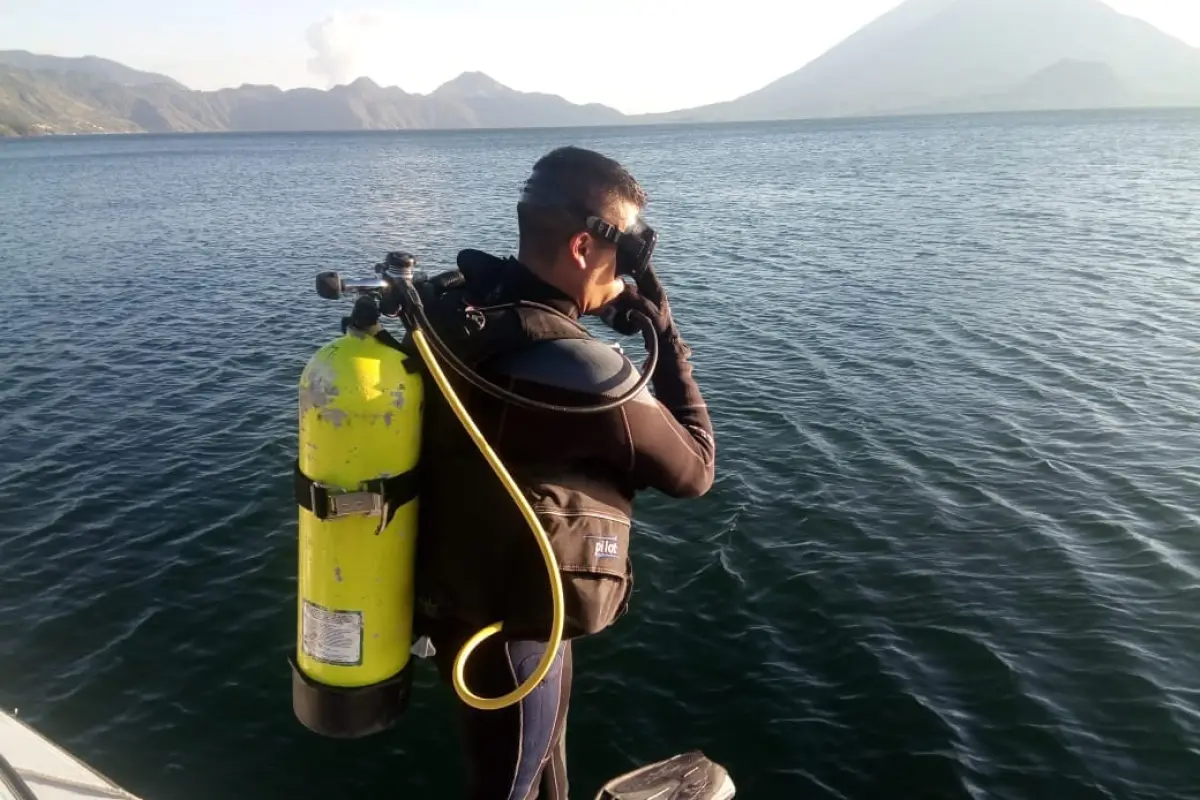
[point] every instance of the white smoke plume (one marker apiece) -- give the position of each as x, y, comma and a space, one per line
344, 44
418, 49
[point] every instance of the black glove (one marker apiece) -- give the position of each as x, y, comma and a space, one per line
620, 314
651, 287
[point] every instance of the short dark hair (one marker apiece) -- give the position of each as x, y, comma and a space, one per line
580, 176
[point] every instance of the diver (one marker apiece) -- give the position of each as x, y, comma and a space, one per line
476, 561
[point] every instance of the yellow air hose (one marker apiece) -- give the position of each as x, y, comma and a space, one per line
556, 589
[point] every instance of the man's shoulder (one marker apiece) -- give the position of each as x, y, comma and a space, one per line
584, 365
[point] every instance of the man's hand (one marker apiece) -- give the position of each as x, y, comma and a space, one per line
618, 314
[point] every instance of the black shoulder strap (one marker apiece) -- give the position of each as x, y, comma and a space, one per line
477, 329
412, 357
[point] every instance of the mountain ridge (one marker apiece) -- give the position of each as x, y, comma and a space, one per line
76, 101
923, 56
929, 53
89, 64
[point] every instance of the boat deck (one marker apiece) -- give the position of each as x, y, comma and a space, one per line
49, 772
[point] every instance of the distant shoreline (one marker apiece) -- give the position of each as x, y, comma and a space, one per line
921, 59
632, 123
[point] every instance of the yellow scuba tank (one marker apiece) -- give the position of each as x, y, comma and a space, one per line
360, 403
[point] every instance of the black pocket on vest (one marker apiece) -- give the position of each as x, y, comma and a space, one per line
592, 548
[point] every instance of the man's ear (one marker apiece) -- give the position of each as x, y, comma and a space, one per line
581, 246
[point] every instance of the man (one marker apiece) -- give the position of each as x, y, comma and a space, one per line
478, 562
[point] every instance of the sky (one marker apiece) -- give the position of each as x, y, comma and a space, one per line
634, 55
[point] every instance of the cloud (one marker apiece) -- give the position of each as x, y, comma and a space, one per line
412, 49
344, 45
420, 46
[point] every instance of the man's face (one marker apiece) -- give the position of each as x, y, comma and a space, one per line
599, 260
602, 256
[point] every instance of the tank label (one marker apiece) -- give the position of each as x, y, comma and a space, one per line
333, 637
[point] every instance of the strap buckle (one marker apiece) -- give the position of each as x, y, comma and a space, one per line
330, 502
378, 497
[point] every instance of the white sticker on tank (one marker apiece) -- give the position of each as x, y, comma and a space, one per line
333, 637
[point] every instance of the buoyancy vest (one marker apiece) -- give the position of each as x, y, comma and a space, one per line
478, 562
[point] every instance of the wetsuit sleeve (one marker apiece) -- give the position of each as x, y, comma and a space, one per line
670, 435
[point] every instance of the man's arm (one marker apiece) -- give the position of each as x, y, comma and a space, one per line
671, 434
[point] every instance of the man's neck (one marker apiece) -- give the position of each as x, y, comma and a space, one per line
550, 277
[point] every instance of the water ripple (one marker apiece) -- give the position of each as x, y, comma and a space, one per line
951, 551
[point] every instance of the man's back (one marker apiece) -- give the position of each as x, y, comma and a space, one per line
479, 561
515, 323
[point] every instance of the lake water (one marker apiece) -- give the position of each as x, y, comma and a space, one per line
953, 550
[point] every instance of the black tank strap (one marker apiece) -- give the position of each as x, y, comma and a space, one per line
384, 337
378, 497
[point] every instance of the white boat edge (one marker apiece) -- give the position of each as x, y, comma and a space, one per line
50, 772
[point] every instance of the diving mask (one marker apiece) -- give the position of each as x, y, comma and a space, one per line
635, 246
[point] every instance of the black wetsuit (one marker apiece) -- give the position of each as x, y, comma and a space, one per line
478, 562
